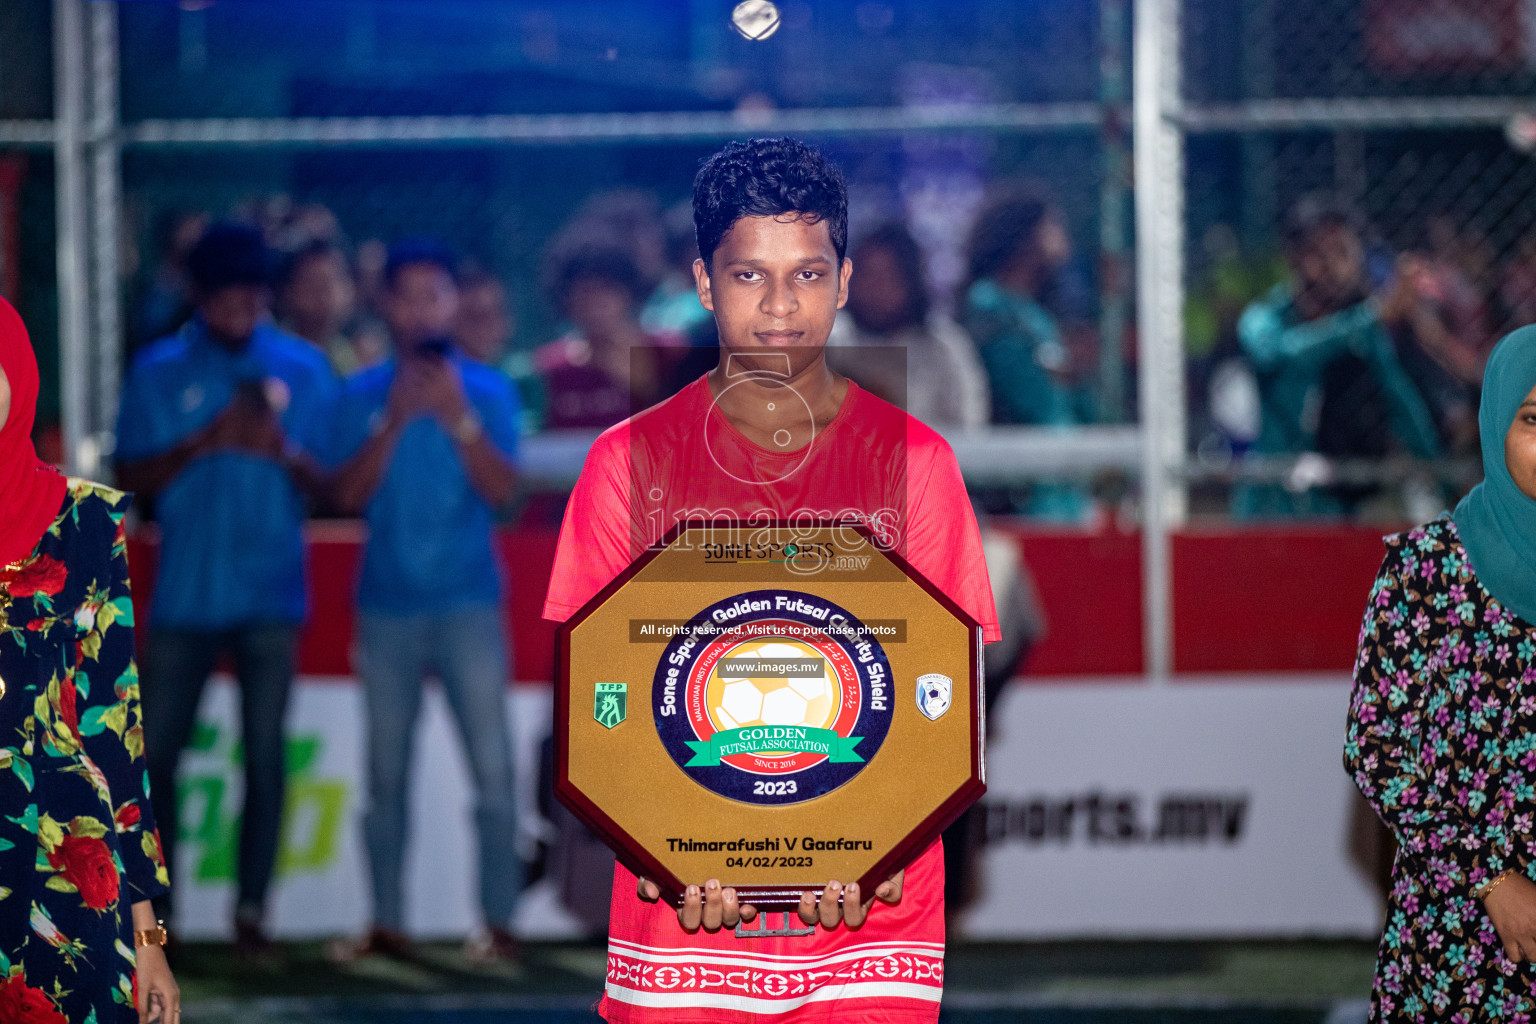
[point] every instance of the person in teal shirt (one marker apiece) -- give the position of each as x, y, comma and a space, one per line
1016, 251
1291, 335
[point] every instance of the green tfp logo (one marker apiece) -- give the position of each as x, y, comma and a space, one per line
610, 703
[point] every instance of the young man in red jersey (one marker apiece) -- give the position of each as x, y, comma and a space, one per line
771, 433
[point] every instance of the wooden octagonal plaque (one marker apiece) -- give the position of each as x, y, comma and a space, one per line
772, 705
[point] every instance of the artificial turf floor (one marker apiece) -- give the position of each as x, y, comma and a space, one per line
1292, 982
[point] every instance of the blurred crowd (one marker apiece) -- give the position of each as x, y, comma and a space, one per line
618, 280
1334, 349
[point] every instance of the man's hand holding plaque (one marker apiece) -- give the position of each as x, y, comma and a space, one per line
714, 906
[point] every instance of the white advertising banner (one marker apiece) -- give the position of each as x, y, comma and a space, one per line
1202, 807
1197, 808
322, 884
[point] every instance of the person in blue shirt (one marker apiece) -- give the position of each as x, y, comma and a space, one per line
423, 449
217, 425
1325, 319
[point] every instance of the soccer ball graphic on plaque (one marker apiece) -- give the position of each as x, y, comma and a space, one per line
809, 698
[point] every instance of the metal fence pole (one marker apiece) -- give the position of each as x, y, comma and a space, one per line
106, 216
1159, 183
69, 69
1114, 236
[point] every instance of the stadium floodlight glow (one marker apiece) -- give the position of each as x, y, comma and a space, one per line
755, 19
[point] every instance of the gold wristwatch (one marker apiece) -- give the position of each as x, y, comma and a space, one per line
5, 602
155, 936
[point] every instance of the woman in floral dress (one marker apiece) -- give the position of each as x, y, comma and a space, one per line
79, 855
1442, 730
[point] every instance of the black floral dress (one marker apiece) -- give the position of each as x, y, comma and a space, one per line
1442, 742
77, 839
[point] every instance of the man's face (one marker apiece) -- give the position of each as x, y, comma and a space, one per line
420, 305
484, 324
601, 309
1055, 244
232, 312
879, 300
775, 285
321, 292
1330, 263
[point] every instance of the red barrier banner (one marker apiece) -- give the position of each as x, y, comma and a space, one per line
1276, 599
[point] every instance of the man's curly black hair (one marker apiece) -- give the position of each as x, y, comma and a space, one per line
229, 254
1007, 224
409, 252
767, 178
1315, 211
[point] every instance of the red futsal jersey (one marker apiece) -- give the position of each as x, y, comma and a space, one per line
682, 459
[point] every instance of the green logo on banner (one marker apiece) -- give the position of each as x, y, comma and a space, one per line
610, 703
314, 815
758, 739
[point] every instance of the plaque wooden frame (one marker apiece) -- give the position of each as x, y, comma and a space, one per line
610, 774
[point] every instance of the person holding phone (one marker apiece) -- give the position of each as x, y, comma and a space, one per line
216, 428
1312, 341
423, 449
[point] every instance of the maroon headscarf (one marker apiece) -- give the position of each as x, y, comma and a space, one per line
31, 491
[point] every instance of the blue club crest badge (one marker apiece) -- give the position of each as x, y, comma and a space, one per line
934, 692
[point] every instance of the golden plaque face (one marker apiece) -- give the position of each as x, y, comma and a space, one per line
772, 705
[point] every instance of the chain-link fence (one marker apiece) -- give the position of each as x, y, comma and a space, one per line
27, 207
1343, 152
448, 118
467, 89
494, 126
404, 118
1381, 141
